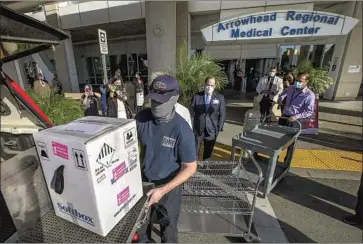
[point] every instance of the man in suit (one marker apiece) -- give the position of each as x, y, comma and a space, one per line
209, 114
270, 87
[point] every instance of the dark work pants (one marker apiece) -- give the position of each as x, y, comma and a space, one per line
359, 207
265, 107
208, 141
171, 202
286, 122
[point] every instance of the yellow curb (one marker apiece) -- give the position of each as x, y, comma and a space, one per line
307, 158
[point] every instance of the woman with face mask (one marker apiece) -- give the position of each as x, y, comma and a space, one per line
116, 100
289, 80
90, 101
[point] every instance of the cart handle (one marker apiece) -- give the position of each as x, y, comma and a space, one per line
283, 117
145, 210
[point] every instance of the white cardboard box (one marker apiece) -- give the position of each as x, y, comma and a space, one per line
102, 177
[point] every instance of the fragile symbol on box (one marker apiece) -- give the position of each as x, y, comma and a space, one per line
43, 151
79, 159
106, 155
118, 172
123, 196
60, 150
130, 137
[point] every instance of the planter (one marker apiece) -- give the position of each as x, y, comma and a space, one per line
311, 126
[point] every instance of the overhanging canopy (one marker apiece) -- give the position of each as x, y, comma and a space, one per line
22, 35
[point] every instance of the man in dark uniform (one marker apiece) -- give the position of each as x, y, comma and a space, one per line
168, 152
209, 114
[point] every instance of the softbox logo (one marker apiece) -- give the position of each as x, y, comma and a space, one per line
76, 214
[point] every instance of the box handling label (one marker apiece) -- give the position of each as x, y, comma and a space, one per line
123, 196
60, 150
118, 172
124, 206
43, 150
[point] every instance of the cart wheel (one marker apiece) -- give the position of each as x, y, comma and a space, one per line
252, 239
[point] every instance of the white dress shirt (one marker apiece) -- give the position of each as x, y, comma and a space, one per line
184, 113
276, 88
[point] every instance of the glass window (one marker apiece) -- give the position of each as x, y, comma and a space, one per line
327, 57
317, 55
90, 67
129, 64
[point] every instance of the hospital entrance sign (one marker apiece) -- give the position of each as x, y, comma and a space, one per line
279, 24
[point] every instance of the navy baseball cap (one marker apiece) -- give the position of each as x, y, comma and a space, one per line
163, 88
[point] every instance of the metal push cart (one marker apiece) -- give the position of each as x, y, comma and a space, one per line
270, 140
218, 196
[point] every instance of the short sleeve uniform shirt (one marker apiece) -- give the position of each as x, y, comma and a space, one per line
165, 145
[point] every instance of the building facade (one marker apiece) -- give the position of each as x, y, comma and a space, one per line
143, 37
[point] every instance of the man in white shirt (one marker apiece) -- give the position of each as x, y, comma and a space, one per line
270, 87
184, 113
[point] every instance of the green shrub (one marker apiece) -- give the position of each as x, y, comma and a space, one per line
191, 72
59, 109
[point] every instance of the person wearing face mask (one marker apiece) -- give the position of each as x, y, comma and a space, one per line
289, 80
269, 88
90, 101
168, 156
299, 103
209, 114
116, 102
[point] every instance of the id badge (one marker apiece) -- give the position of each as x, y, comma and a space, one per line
215, 101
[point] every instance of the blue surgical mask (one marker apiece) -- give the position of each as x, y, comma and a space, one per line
298, 85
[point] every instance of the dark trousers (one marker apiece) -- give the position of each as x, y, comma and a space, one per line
359, 207
171, 205
208, 141
286, 122
265, 107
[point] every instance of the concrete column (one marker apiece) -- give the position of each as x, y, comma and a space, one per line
183, 24
347, 51
66, 66
63, 54
160, 35
47, 73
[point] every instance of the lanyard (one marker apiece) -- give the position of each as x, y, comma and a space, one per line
269, 84
292, 98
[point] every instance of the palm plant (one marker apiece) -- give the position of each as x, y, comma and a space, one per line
319, 80
191, 72
59, 109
